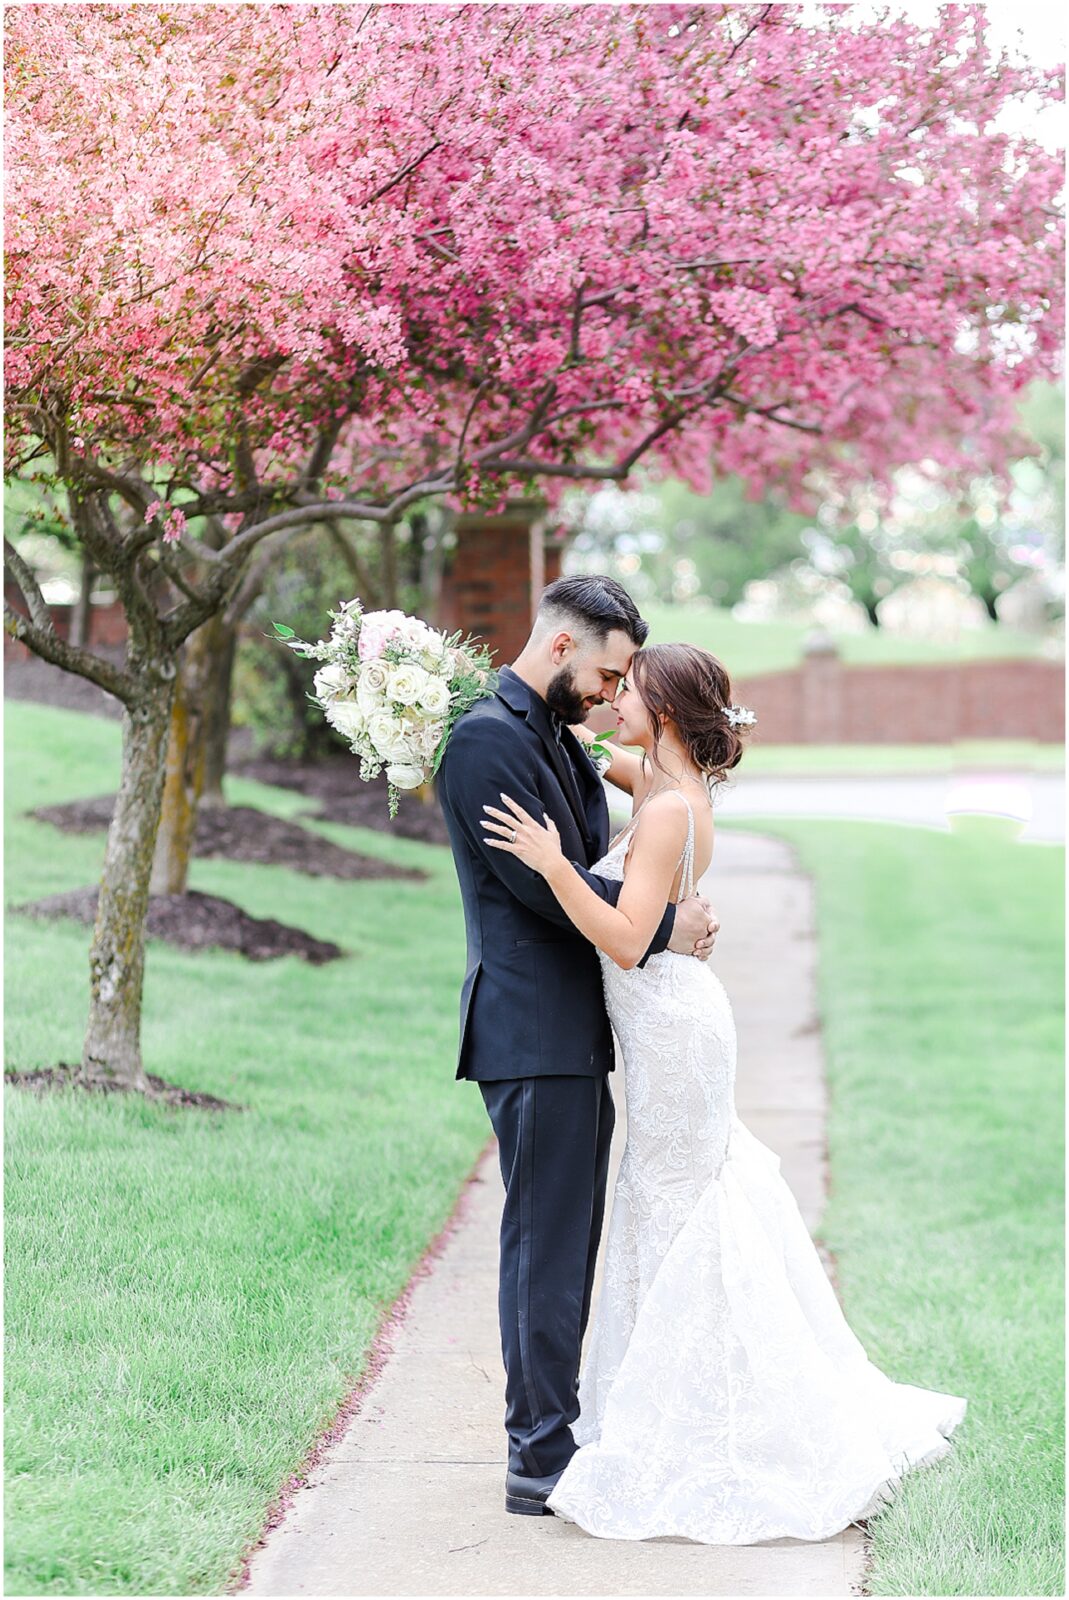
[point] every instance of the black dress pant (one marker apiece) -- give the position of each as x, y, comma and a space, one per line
554, 1135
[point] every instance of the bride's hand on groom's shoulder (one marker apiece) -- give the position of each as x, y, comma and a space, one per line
695, 929
509, 827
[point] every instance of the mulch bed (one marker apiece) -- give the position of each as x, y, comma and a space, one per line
64, 1076
195, 921
241, 833
334, 783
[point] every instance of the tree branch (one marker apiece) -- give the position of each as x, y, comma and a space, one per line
50, 647
480, 391
746, 408
322, 451
31, 590
351, 557
170, 567
753, 29
249, 587
402, 175
574, 355
535, 422
717, 261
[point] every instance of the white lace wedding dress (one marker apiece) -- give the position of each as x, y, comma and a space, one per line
723, 1397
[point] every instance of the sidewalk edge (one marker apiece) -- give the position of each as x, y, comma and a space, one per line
379, 1352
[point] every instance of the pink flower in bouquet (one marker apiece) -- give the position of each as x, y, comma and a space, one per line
370, 643
376, 631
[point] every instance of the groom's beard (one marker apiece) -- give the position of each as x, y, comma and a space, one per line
562, 698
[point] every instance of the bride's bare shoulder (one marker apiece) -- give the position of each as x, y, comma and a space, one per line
664, 819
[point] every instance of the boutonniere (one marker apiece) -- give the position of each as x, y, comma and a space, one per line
599, 752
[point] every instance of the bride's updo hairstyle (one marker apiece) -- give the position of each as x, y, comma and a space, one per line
691, 687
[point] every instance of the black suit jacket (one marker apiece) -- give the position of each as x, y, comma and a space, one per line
532, 1002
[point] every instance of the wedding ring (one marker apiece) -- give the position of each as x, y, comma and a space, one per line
513, 838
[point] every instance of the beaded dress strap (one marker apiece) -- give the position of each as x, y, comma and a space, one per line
686, 883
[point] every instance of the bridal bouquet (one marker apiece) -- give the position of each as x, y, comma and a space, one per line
393, 686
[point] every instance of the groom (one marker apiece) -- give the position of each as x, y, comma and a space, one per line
534, 1032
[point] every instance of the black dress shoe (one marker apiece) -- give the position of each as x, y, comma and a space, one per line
527, 1496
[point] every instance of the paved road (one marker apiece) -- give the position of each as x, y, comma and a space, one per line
409, 1500
918, 800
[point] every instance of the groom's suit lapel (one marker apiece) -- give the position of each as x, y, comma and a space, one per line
586, 808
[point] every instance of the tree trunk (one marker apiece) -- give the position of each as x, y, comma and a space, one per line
81, 618
186, 752
111, 1052
388, 536
217, 692
432, 564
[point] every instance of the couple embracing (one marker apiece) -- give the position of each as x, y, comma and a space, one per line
723, 1397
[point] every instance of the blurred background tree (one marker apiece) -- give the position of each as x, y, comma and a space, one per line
727, 549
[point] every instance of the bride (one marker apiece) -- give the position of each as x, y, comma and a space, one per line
723, 1398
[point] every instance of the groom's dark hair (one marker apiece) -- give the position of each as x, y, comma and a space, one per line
595, 601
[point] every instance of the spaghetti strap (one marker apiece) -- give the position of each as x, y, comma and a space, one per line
686, 882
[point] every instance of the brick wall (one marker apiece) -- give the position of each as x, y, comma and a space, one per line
107, 624
499, 567
825, 702
502, 563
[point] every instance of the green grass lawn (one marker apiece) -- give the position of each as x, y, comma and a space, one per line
941, 960
750, 648
190, 1295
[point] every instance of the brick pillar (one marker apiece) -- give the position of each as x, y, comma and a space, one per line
499, 567
822, 720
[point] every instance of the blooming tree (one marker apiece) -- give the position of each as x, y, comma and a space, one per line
272, 265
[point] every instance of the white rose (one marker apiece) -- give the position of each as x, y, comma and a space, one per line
332, 682
347, 717
406, 684
430, 736
376, 674
434, 697
392, 739
405, 776
371, 686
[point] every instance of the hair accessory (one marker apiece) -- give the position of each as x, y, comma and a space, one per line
740, 714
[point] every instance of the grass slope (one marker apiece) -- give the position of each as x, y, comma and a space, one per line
941, 960
868, 760
750, 648
189, 1296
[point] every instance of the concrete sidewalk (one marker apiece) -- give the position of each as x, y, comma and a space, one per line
410, 1499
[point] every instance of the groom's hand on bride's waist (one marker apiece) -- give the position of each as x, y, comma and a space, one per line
695, 930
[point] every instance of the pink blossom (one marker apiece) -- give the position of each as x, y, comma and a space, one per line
175, 526
773, 241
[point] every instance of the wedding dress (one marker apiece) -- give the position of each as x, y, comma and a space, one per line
723, 1397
